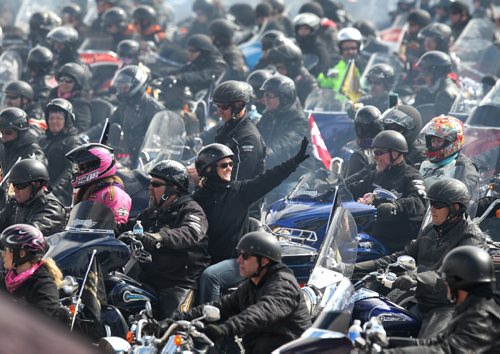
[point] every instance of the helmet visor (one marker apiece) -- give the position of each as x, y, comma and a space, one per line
123, 84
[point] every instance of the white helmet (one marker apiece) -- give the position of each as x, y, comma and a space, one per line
350, 34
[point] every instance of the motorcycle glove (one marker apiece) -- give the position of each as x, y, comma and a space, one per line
387, 211
152, 241
215, 332
302, 154
404, 282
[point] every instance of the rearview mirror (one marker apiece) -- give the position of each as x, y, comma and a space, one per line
407, 263
211, 313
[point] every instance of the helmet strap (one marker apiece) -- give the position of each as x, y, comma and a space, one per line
236, 110
261, 267
169, 192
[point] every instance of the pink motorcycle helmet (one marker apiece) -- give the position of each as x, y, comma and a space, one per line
93, 162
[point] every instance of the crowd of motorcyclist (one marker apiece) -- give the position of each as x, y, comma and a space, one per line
57, 151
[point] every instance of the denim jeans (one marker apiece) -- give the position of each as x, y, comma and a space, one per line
217, 278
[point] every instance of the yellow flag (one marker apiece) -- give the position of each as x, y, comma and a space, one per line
351, 87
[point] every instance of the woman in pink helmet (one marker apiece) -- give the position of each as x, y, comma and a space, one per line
28, 277
95, 178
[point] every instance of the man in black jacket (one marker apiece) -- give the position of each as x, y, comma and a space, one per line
470, 277
32, 203
398, 221
450, 228
175, 235
268, 308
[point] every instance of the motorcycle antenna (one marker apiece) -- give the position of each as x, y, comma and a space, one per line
105, 133
6, 177
78, 302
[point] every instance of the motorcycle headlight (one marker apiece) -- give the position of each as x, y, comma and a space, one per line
313, 299
69, 285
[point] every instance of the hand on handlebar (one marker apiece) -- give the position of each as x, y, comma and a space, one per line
404, 282
214, 332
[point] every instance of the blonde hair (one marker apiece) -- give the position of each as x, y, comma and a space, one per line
54, 271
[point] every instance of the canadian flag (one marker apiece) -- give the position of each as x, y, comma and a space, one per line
319, 148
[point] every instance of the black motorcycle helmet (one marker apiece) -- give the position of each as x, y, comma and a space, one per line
75, 71
237, 94
260, 243
222, 32
205, 7
19, 88
61, 105
403, 119
307, 19
129, 51
282, 86
14, 118
467, 267
257, 78
115, 16
41, 23
130, 82
288, 54
63, 42
72, 12
172, 172
145, 16
244, 14
436, 63
200, 42
439, 32
24, 237
367, 123
268, 39
28, 170
209, 155
312, 7
381, 73
40, 60
420, 17
390, 140
450, 191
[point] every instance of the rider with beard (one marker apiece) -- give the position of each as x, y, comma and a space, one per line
444, 139
367, 125
437, 88
407, 121
115, 22
40, 63
205, 65
221, 31
33, 203
226, 204
307, 35
473, 328
94, 177
288, 60
451, 227
73, 82
380, 79
256, 79
398, 221
175, 233
19, 141
63, 42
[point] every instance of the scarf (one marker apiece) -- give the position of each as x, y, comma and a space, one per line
14, 280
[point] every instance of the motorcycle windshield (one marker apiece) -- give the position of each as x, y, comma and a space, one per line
382, 58
10, 69
482, 146
320, 186
164, 140
90, 215
476, 50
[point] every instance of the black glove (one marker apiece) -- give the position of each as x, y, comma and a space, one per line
214, 332
386, 211
365, 267
151, 241
302, 154
404, 282
126, 237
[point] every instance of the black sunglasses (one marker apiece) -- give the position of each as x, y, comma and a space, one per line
245, 255
21, 185
225, 165
380, 152
223, 107
436, 204
156, 184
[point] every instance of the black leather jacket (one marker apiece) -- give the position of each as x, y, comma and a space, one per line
44, 211
266, 315
25, 146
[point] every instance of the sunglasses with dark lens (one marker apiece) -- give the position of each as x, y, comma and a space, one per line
12, 97
156, 184
223, 107
245, 255
21, 185
379, 152
436, 204
225, 165
66, 80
